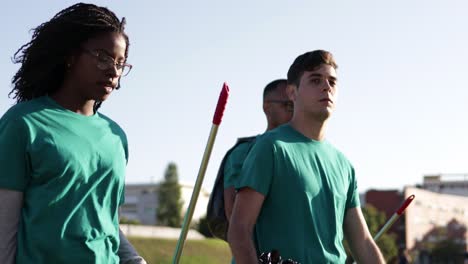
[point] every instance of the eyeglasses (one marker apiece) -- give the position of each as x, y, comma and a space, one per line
288, 104
106, 62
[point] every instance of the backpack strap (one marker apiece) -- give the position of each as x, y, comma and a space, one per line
216, 216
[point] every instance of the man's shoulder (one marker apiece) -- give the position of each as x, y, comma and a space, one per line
243, 142
250, 139
338, 154
242, 146
274, 136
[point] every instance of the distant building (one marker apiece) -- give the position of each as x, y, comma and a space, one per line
456, 184
431, 212
141, 202
431, 217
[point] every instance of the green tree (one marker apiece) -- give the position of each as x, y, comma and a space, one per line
448, 251
375, 219
169, 211
124, 220
387, 242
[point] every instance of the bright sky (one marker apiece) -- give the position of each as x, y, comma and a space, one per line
402, 79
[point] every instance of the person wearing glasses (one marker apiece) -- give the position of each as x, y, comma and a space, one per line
63, 162
297, 194
278, 110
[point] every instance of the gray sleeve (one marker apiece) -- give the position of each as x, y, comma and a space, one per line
127, 253
10, 211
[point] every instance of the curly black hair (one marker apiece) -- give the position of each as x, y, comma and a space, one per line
44, 59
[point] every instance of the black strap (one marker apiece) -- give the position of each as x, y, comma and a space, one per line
216, 217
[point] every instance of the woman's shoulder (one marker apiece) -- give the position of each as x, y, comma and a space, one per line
112, 124
23, 109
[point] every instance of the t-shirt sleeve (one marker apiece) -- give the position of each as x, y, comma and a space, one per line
122, 196
233, 164
352, 199
14, 174
230, 171
258, 168
125, 146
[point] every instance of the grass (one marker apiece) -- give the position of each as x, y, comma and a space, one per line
161, 251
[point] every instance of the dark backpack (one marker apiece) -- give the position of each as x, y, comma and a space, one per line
216, 217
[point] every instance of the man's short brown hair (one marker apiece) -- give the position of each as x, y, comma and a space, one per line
309, 61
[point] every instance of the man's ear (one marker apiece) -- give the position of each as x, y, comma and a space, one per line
266, 108
291, 91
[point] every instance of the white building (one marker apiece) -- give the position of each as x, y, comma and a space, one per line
141, 201
431, 210
455, 184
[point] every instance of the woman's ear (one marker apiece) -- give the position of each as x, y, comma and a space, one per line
69, 61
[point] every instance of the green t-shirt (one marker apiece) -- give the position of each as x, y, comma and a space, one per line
308, 185
71, 171
234, 163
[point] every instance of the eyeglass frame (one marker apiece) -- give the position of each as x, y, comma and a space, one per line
288, 104
103, 65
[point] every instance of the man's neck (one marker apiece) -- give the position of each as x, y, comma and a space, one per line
309, 127
270, 127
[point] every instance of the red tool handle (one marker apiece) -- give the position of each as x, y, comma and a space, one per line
221, 105
405, 204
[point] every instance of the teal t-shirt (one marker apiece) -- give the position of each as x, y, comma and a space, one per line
233, 166
308, 185
71, 171
234, 163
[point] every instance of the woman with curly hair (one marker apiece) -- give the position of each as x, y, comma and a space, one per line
62, 162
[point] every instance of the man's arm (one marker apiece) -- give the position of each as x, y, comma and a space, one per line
360, 241
10, 211
229, 198
247, 206
232, 168
127, 253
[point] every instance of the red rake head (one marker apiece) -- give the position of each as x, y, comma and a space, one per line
221, 105
405, 204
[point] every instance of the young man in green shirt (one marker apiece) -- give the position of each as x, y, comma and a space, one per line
297, 193
278, 110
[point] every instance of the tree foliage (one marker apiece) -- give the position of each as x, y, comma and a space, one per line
375, 219
387, 242
169, 211
448, 251
124, 220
